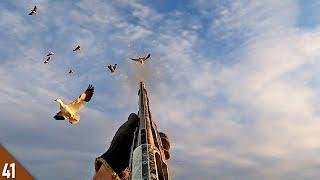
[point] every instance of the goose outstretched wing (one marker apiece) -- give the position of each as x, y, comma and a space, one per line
82, 99
59, 116
135, 59
147, 57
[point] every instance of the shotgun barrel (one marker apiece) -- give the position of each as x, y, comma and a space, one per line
147, 159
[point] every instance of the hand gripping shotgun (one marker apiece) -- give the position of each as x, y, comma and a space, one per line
147, 158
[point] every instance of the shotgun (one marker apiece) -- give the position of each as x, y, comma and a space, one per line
147, 158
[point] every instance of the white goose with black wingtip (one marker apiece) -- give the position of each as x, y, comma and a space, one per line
47, 61
141, 59
78, 48
50, 53
70, 111
112, 68
34, 11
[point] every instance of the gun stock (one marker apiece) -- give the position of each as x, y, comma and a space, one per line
147, 160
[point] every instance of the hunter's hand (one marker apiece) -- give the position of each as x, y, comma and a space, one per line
118, 154
165, 144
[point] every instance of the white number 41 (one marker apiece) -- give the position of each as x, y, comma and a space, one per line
7, 173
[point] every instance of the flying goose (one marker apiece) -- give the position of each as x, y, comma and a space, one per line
47, 60
50, 53
71, 71
77, 48
112, 67
141, 59
70, 111
34, 11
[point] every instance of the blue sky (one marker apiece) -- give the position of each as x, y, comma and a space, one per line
234, 84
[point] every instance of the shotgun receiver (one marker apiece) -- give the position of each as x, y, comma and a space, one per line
147, 158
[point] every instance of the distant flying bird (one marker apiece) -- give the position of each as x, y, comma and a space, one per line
70, 111
71, 71
112, 67
34, 11
47, 60
141, 59
77, 48
50, 53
